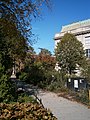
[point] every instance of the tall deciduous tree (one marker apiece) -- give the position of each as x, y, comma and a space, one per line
21, 12
13, 45
69, 53
5, 59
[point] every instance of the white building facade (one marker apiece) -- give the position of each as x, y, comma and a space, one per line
82, 32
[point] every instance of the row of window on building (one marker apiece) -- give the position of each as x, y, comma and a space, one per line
88, 53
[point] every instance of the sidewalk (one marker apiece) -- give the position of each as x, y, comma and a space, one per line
62, 108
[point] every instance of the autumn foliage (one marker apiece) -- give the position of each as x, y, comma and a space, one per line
24, 111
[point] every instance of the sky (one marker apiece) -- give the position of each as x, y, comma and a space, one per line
63, 12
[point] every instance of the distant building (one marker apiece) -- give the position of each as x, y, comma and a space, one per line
81, 30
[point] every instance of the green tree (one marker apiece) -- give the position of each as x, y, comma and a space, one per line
86, 70
31, 50
39, 68
21, 13
69, 53
15, 42
13, 45
5, 59
7, 88
44, 52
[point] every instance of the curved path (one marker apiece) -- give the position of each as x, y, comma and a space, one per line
62, 108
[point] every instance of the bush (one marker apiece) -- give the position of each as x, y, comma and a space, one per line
23, 111
25, 98
7, 88
82, 96
23, 76
53, 87
57, 83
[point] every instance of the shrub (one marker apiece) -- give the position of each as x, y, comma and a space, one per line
21, 111
24, 98
53, 86
23, 76
7, 88
83, 97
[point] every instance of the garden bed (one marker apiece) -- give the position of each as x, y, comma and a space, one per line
22, 111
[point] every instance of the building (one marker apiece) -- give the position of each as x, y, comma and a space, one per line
81, 30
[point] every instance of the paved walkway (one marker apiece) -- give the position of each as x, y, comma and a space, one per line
64, 109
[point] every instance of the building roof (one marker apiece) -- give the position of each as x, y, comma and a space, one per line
77, 28
76, 25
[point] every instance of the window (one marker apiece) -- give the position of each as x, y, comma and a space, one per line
75, 83
81, 80
88, 53
87, 40
87, 37
69, 80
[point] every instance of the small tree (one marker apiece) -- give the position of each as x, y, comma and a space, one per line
69, 53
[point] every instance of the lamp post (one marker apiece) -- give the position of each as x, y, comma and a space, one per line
13, 76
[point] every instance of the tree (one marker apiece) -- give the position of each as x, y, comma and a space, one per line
21, 13
38, 68
13, 45
69, 53
86, 70
15, 42
46, 58
5, 59
30, 57
44, 52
